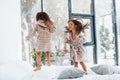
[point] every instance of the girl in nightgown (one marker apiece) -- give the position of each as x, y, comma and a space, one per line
43, 28
76, 40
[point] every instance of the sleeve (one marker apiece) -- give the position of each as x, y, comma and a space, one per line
52, 28
32, 33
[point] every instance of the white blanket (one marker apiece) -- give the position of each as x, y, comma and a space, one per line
100, 77
23, 71
51, 73
15, 70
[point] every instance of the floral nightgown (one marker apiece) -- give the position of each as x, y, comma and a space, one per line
43, 36
77, 48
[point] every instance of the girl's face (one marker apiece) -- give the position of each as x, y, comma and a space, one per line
41, 21
71, 25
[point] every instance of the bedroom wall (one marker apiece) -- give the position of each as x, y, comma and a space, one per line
10, 30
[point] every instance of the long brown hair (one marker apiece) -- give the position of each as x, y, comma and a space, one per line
44, 16
80, 27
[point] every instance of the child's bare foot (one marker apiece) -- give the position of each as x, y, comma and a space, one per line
37, 68
49, 64
86, 73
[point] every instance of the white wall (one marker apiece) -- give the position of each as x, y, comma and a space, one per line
10, 30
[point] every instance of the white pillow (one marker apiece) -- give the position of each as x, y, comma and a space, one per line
116, 70
71, 73
103, 69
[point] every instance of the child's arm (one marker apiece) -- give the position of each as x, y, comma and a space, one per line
68, 40
52, 28
31, 34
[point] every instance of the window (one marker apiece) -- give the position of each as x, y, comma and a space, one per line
105, 31
81, 6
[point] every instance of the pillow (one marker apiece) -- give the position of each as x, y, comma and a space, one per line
103, 69
117, 70
70, 73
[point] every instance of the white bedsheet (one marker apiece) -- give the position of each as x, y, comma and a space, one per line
51, 73
24, 71
14, 70
100, 77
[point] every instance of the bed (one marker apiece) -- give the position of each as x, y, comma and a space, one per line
19, 70
14, 70
51, 73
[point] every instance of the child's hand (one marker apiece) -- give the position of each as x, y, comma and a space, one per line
67, 40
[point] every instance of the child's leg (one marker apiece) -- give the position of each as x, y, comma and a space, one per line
76, 64
84, 67
48, 58
38, 60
